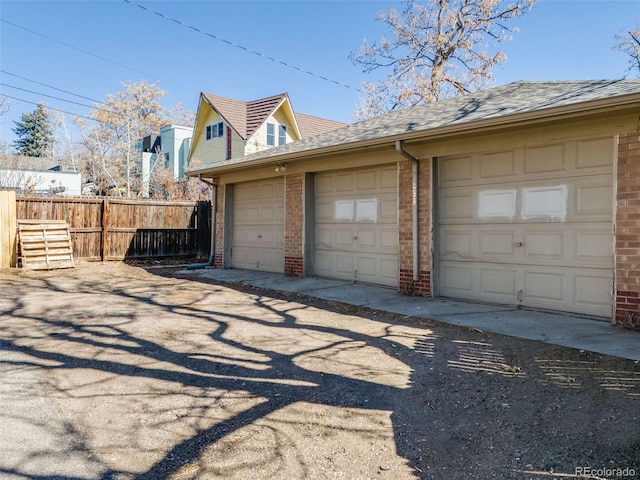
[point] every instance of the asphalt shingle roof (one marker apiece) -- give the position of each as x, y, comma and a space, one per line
503, 101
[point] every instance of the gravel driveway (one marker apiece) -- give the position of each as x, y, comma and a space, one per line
111, 371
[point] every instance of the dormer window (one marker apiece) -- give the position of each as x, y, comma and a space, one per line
271, 134
215, 130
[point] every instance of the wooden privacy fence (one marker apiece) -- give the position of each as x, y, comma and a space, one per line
117, 229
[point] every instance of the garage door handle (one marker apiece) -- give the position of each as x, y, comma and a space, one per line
519, 244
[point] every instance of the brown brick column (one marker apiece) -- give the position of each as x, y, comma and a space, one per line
218, 258
627, 242
293, 225
406, 283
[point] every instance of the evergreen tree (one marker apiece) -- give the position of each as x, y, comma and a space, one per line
35, 134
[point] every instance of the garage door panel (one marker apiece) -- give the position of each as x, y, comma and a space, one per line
324, 236
499, 243
389, 209
550, 158
248, 192
594, 246
389, 240
530, 226
356, 225
595, 153
367, 181
457, 205
498, 282
498, 164
593, 290
323, 184
344, 265
545, 245
258, 225
389, 179
367, 268
594, 200
457, 279
544, 288
584, 199
344, 182
324, 264
367, 239
455, 242
343, 238
455, 169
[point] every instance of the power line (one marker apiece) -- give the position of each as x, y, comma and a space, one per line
220, 39
89, 53
51, 87
49, 96
56, 109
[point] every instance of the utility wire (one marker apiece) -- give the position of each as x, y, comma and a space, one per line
90, 53
56, 109
215, 37
50, 86
51, 96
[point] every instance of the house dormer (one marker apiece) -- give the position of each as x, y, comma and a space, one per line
227, 129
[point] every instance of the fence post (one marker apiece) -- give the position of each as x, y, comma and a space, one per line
203, 222
8, 229
105, 229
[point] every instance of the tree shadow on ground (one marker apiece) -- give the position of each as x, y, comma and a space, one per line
241, 382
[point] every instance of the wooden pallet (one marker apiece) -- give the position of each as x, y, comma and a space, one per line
44, 245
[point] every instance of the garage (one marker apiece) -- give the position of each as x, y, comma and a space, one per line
356, 219
530, 226
258, 225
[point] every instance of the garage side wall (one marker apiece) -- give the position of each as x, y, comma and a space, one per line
627, 269
407, 284
293, 235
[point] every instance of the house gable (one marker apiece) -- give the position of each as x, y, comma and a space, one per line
249, 123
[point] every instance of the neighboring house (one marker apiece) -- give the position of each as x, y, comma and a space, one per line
228, 129
38, 176
175, 142
169, 149
524, 194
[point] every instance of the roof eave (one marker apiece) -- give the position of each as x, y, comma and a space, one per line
590, 108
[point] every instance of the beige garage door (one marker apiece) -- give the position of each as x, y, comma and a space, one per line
258, 225
529, 226
356, 234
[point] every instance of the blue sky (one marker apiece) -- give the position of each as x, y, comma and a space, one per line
90, 47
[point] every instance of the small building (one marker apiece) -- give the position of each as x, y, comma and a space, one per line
38, 176
524, 194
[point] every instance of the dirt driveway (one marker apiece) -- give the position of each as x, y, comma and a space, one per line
110, 371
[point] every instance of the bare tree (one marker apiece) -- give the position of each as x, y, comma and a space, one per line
5, 104
629, 43
438, 49
124, 119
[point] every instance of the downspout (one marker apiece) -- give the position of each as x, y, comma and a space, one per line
416, 256
214, 218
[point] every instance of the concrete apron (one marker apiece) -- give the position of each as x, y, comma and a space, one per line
583, 333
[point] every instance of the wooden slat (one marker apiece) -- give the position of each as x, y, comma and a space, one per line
45, 245
8, 217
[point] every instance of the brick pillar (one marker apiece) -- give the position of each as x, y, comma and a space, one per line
627, 256
293, 225
218, 258
406, 283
